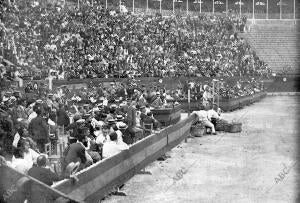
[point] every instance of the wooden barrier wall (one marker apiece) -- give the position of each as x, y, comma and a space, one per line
15, 187
101, 178
226, 104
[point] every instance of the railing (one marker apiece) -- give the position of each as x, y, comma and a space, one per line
257, 9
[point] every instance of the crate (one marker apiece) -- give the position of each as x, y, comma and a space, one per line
197, 130
234, 127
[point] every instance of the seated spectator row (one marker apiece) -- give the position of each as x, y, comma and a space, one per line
95, 42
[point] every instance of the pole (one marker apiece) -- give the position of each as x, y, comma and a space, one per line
120, 5
160, 6
295, 11
187, 7
280, 9
200, 5
78, 4
132, 6
147, 8
240, 7
173, 6
253, 7
106, 4
226, 7
189, 99
189, 112
218, 94
267, 17
213, 91
213, 6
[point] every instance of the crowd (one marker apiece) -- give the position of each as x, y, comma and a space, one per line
98, 127
93, 42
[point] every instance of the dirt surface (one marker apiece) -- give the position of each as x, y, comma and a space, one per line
257, 165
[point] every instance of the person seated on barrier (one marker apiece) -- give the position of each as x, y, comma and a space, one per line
42, 173
203, 118
111, 148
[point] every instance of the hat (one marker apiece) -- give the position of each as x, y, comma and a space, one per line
111, 121
142, 107
39, 101
96, 109
50, 95
122, 126
113, 106
81, 120
157, 93
120, 117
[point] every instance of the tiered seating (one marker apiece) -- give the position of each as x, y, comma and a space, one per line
276, 45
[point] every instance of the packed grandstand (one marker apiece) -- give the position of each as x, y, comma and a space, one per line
92, 42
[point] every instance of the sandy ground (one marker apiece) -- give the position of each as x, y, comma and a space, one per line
257, 165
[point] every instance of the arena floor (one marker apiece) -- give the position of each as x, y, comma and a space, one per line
257, 165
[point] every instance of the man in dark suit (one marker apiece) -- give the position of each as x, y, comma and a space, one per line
38, 129
41, 173
62, 116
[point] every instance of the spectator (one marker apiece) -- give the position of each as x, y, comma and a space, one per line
38, 130
111, 147
42, 173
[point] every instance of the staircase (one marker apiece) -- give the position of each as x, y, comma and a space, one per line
275, 44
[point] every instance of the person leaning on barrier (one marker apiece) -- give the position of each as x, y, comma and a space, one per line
76, 152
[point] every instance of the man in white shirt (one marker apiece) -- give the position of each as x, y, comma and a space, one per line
203, 117
207, 96
214, 112
111, 147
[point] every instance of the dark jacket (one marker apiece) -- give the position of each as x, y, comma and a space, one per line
62, 118
38, 128
43, 174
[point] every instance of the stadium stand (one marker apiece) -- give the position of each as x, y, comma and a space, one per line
276, 44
